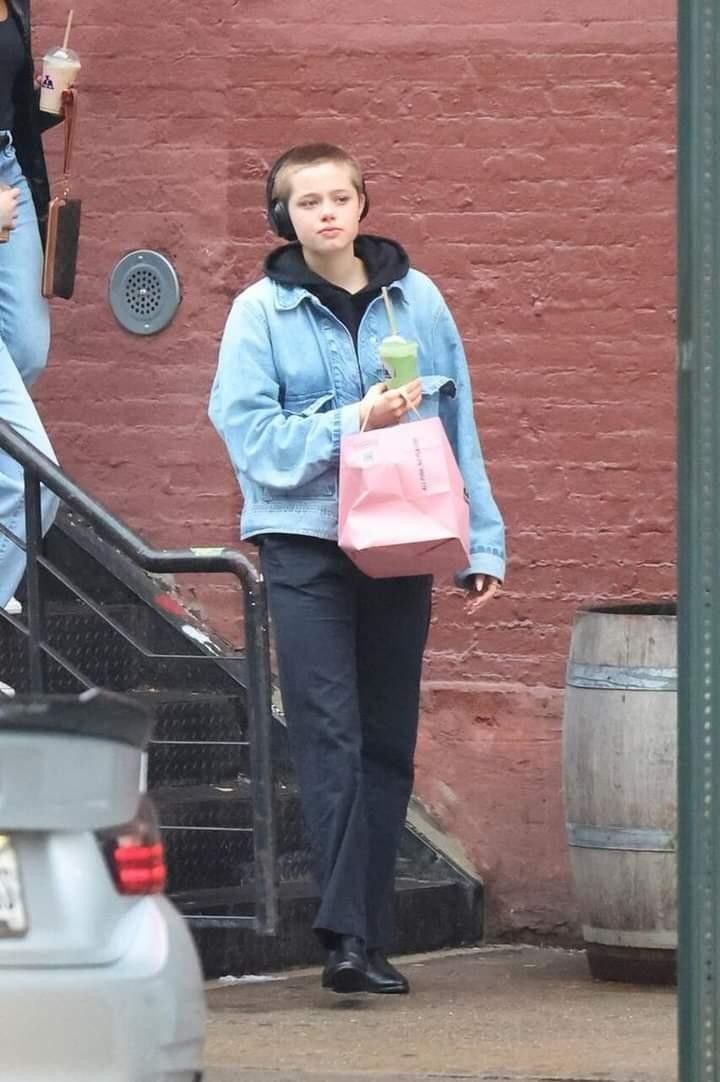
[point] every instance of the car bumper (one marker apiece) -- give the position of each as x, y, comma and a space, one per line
140, 1019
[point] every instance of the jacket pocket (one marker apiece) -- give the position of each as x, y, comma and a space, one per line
324, 487
305, 405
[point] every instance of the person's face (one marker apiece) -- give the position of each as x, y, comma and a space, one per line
325, 207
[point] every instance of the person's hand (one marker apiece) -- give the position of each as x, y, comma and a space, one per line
8, 207
484, 589
381, 407
66, 97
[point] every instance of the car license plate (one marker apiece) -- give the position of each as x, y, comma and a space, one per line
13, 921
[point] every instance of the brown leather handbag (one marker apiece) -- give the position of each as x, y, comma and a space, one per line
63, 225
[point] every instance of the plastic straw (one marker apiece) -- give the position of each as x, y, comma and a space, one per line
389, 309
67, 29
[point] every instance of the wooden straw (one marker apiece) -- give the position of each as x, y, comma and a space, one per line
67, 29
389, 309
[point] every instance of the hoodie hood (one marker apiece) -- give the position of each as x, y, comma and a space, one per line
385, 262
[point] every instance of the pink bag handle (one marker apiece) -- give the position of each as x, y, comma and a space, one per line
372, 407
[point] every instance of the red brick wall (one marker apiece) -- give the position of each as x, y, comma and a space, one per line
525, 157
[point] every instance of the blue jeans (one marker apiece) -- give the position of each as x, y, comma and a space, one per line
24, 344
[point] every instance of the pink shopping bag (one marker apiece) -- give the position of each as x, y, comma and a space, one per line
403, 509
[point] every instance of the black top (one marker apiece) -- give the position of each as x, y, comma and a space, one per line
28, 121
385, 262
12, 57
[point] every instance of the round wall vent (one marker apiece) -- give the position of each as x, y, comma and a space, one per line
144, 292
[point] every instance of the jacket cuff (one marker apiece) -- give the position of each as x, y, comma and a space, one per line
350, 419
481, 563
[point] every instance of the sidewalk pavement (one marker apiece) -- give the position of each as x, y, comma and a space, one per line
492, 1014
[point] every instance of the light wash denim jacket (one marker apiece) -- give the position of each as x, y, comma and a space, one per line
287, 389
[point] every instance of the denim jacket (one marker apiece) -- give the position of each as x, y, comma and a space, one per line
287, 389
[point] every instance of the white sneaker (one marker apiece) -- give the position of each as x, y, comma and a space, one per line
6, 690
13, 607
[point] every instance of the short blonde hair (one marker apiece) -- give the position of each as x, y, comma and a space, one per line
311, 154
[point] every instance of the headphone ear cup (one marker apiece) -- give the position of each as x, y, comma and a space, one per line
277, 212
281, 222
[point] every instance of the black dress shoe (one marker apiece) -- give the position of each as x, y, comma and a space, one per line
346, 969
384, 978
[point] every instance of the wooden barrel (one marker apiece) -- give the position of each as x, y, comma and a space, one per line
619, 767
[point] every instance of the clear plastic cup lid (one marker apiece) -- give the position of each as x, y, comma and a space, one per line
69, 56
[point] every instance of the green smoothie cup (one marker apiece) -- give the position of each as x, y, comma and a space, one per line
398, 354
399, 357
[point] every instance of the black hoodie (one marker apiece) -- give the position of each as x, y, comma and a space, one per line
385, 261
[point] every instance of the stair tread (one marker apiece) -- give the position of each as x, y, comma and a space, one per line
206, 898
180, 695
223, 805
240, 788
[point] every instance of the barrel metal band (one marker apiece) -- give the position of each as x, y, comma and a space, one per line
621, 678
632, 839
653, 939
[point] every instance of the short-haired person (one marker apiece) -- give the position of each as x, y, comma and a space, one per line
298, 369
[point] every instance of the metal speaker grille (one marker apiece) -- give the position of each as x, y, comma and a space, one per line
144, 292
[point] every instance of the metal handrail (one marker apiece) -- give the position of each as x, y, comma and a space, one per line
39, 470
114, 531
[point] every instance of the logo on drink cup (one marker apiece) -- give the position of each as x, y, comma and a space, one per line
47, 83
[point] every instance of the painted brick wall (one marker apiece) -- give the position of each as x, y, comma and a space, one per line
525, 158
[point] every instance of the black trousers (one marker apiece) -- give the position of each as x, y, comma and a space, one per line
349, 652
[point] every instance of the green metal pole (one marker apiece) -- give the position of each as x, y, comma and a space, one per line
699, 537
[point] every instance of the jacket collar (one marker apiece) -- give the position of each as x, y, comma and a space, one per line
287, 297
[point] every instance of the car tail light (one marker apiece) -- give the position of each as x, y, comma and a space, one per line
135, 854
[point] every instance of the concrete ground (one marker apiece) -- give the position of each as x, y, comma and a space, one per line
522, 1014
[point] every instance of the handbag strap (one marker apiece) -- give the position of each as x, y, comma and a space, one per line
70, 110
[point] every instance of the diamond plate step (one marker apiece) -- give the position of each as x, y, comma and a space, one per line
199, 737
90, 644
207, 830
106, 657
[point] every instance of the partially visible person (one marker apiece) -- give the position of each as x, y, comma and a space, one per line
24, 316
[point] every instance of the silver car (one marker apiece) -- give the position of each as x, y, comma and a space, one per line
99, 978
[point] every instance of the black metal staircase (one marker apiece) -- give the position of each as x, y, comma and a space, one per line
221, 778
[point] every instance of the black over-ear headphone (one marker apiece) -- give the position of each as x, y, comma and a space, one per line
277, 209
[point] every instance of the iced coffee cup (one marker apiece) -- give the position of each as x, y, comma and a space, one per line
59, 72
399, 356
